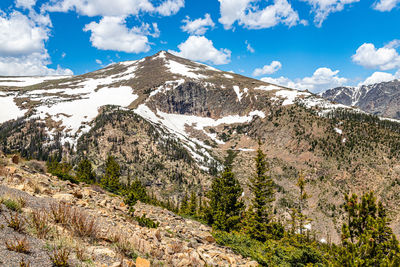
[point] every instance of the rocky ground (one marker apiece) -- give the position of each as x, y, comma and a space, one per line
96, 230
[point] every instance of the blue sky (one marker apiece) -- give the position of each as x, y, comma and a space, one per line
305, 44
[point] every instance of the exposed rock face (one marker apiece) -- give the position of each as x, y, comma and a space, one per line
380, 99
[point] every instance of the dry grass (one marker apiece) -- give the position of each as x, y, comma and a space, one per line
60, 212
40, 223
82, 224
24, 263
79, 222
59, 256
16, 222
80, 253
123, 245
3, 171
20, 245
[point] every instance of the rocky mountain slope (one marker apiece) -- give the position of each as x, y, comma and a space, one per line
381, 99
170, 121
101, 234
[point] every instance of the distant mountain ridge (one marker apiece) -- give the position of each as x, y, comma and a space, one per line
381, 99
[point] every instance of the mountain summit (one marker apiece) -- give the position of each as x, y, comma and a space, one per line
170, 123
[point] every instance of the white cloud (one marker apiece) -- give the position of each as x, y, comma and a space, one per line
170, 7
322, 79
22, 46
385, 5
101, 7
120, 8
378, 77
322, 8
111, 33
20, 36
384, 58
25, 3
268, 69
198, 26
252, 17
199, 48
98, 61
34, 64
249, 47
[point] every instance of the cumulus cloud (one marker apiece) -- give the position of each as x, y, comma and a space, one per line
199, 48
322, 8
111, 33
268, 69
121, 8
385, 5
322, 79
20, 36
170, 7
384, 58
25, 3
198, 26
378, 77
34, 64
22, 49
249, 47
253, 17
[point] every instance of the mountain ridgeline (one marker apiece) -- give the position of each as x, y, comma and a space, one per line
381, 99
169, 122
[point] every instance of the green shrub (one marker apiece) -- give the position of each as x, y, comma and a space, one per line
285, 252
146, 222
12, 204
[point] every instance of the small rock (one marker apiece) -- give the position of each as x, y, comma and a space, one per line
63, 197
103, 251
140, 262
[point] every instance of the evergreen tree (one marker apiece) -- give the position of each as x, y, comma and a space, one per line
225, 205
258, 217
192, 206
366, 237
84, 172
301, 183
184, 205
110, 180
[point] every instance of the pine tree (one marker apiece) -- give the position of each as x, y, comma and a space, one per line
225, 205
184, 205
302, 202
258, 217
84, 172
367, 240
110, 180
192, 206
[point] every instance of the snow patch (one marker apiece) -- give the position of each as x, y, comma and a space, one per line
290, 96
8, 109
167, 86
268, 87
339, 131
238, 93
228, 76
27, 81
178, 68
76, 115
